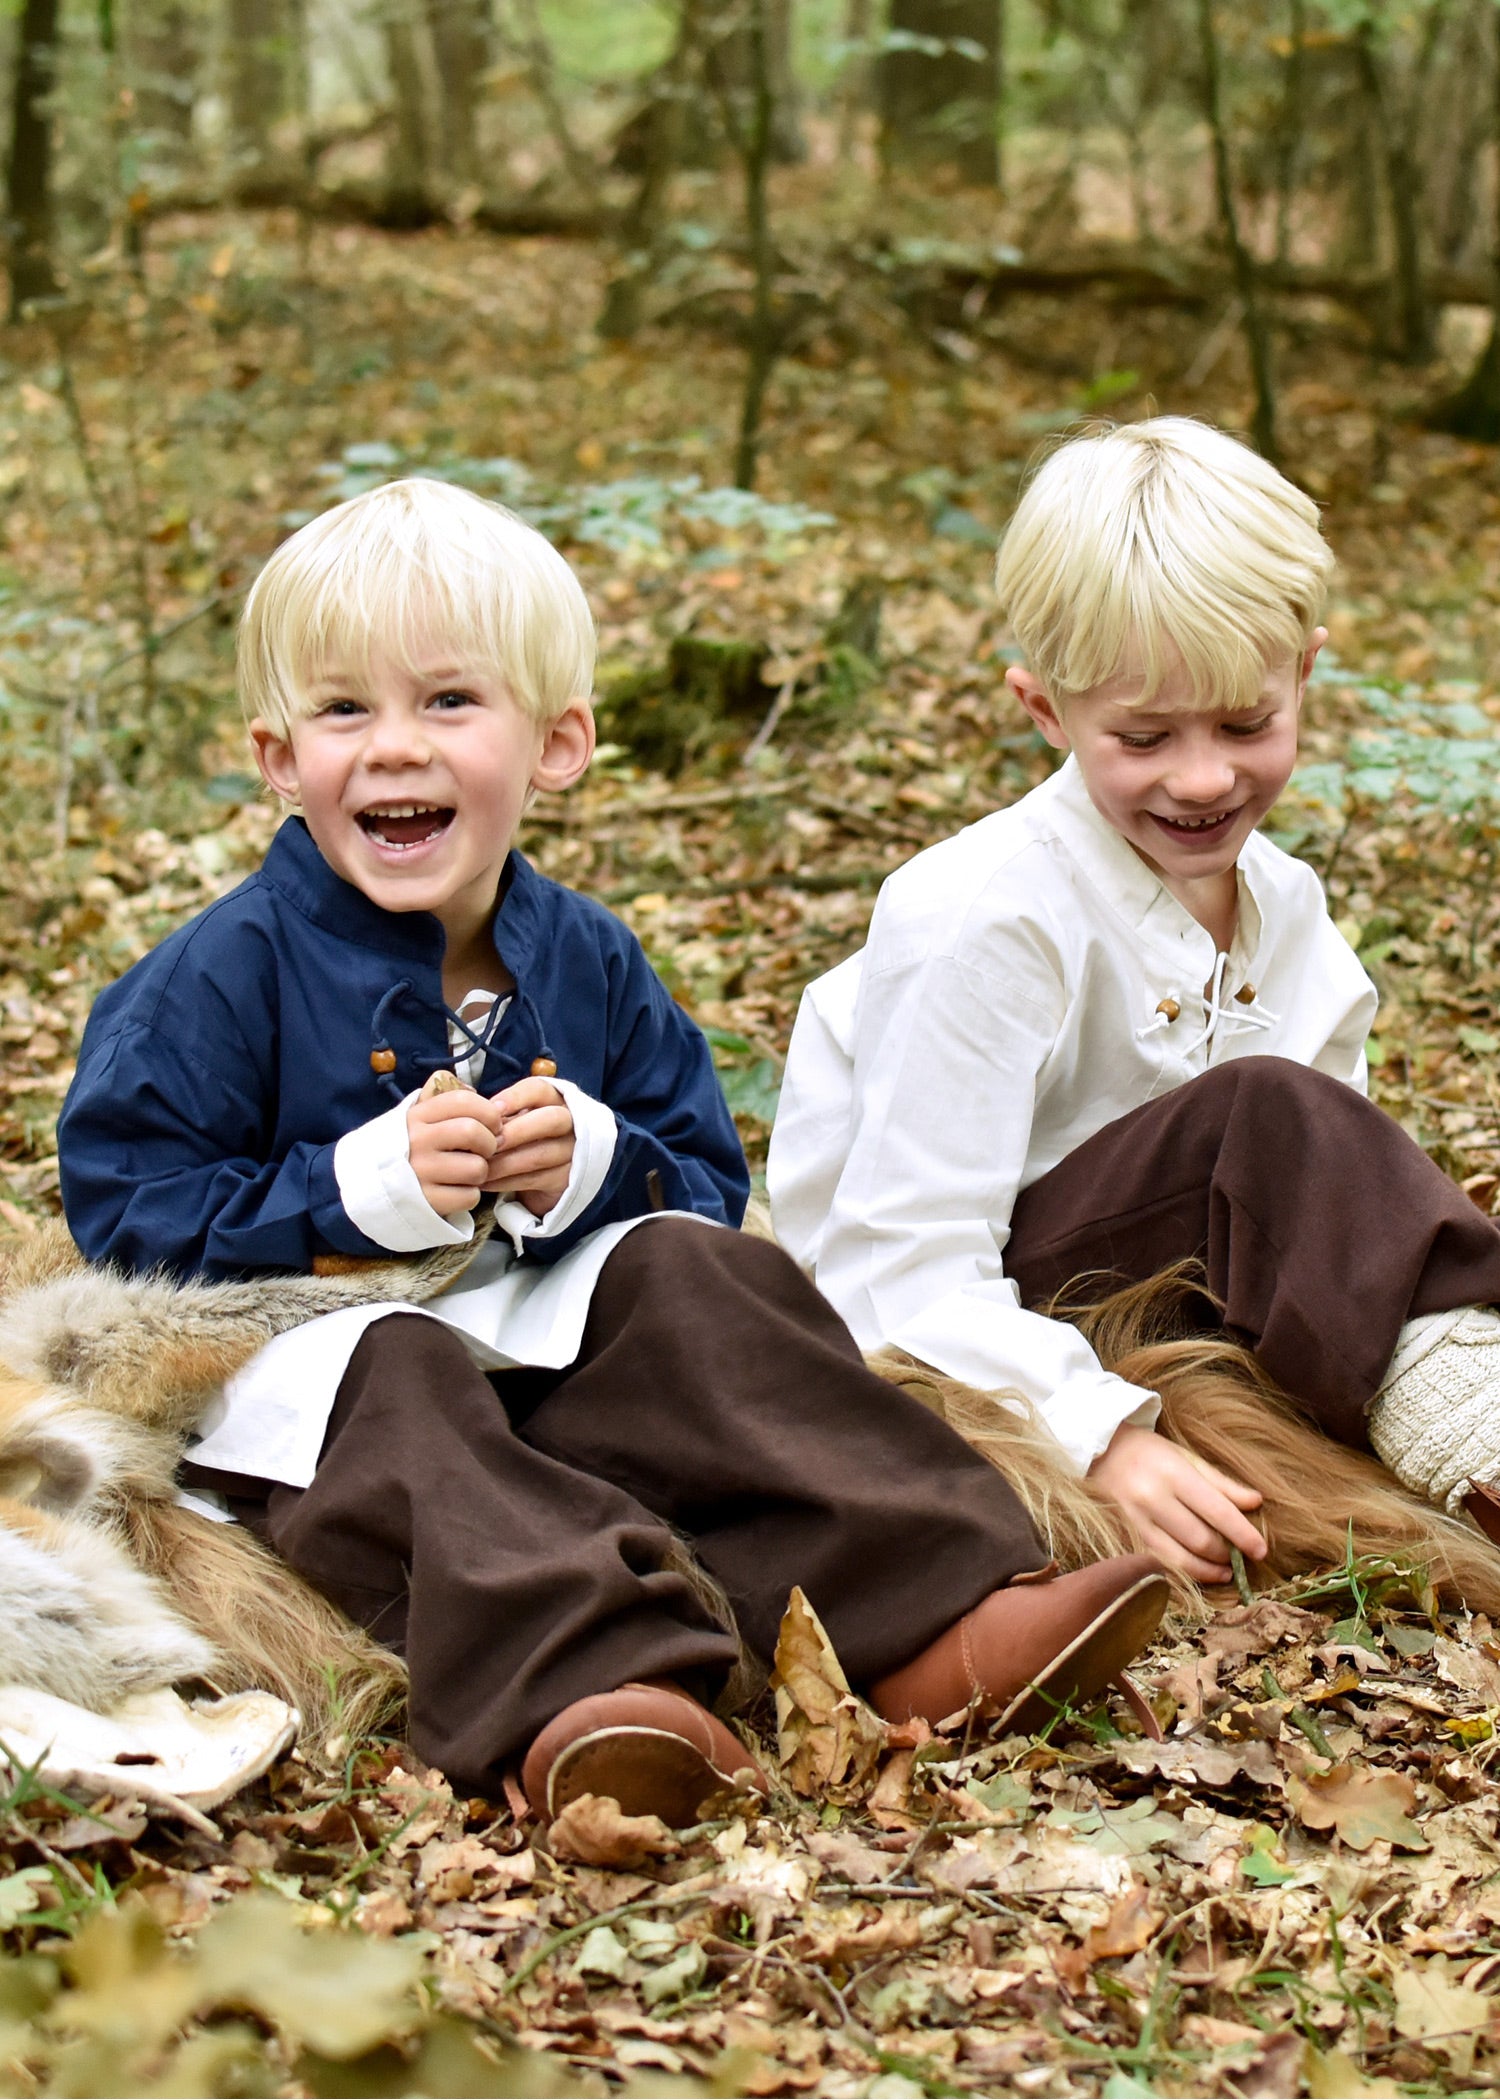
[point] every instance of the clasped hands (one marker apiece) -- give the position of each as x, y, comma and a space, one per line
517, 1143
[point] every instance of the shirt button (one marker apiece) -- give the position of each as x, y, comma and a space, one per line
382, 1060
1246, 995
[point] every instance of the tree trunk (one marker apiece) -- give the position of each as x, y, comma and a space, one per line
258, 74
757, 155
1411, 312
1257, 335
857, 77
1452, 189
541, 70
661, 143
29, 169
735, 66
940, 77
460, 50
408, 164
163, 56
1474, 411
1289, 128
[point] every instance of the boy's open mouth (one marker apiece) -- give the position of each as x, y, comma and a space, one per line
405, 824
1194, 827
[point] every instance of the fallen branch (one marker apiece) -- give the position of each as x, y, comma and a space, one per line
372, 204
733, 885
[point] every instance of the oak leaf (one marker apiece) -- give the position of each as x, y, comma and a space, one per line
1443, 2015
593, 1830
1361, 1805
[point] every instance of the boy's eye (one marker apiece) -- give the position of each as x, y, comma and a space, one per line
452, 697
1249, 728
341, 709
1142, 740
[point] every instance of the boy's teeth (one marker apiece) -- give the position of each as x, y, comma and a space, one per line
405, 823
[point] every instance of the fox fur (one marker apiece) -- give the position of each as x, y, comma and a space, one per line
108, 1585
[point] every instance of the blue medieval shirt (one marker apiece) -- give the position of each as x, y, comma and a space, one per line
239, 1108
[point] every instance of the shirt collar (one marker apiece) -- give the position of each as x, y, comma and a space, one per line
296, 868
1117, 871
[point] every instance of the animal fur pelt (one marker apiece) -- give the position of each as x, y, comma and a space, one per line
1320, 1497
108, 1585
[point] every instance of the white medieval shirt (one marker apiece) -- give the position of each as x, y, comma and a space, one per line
1023, 985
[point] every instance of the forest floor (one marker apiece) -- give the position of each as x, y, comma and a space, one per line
1300, 1890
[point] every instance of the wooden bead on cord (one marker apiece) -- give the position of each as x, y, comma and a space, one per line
544, 1068
1170, 1008
382, 1060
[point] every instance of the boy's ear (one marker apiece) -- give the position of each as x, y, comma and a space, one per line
1315, 642
276, 760
1036, 700
566, 749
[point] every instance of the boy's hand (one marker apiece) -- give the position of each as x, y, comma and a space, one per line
451, 1139
1188, 1513
533, 1154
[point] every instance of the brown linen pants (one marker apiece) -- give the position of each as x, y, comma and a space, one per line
512, 1547
1321, 1224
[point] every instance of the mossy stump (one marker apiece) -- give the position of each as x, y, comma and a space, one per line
706, 692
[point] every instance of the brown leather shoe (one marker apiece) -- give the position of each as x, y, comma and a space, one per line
650, 1747
1025, 1651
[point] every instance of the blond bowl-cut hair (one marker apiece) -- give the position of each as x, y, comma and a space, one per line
1144, 548
409, 572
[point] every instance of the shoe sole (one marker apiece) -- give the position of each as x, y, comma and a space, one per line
646, 1771
1091, 1659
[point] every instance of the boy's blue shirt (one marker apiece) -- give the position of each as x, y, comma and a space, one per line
217, 1075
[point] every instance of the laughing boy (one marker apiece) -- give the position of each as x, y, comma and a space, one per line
492, 1486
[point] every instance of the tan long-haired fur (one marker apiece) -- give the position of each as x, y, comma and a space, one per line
115, 1371
101, 1376
1218, 1403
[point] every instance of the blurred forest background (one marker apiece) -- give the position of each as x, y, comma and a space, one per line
760, 308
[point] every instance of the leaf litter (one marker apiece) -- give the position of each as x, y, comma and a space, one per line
1299, 1889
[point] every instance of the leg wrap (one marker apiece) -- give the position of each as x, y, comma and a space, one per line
1435, 1423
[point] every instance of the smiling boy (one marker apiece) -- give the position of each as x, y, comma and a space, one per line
1113, 1027
495, 1485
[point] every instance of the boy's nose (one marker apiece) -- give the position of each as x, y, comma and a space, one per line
1203, 778
397, 742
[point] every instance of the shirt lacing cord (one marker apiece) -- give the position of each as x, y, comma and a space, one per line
1235, 1016
469, 1042
467, 1063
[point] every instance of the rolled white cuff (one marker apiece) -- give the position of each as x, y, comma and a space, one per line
595, 1135
1085, 1413
381, 1194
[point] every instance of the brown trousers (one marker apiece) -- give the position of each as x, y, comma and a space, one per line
1321, 1224
513, 1548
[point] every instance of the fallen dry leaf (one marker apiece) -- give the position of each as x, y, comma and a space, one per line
1361, 1805
1330, 2075
1445, 2016
1131, 1925
1190, 1760
827, 1739
593, 1831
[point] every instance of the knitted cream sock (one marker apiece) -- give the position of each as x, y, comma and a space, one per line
1435, 1423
